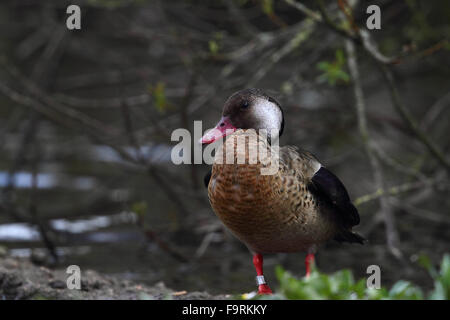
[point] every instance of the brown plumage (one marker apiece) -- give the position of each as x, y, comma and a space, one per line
269, 213
298, 207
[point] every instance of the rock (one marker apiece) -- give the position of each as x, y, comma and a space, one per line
12, 281
9, 284
38, 257
41, 257
10, 263
57, 284
21, 279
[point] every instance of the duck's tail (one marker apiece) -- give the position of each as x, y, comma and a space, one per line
349, 236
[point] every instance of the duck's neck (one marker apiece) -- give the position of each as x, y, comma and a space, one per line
246, 148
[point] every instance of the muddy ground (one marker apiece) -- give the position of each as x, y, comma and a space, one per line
21, 279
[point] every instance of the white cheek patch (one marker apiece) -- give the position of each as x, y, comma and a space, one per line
268, 114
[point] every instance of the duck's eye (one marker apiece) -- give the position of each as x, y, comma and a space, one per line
245, 105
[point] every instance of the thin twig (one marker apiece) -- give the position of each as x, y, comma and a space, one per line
392, 238
334, 26
33, 208
421, 213
302, 35
409, 119
304, 9
388, 160
397, 190
51, 108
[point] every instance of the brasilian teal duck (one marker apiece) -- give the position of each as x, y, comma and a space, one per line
295, 209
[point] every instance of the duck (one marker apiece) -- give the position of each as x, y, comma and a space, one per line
295, 208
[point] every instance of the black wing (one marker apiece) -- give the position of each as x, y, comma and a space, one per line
328, 187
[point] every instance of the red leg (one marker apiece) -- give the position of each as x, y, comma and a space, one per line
263, 288
309, 260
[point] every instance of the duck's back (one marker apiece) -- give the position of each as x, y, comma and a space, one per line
269, 212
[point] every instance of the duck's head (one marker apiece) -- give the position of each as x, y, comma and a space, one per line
248, 109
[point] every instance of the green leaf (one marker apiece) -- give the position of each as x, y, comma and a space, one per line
445, 267
323, 65
341, 285
442, 282
405, 290
333, 72
279, 272
267, 6
140, 208
359, 288
425, 262
399, 288
376, 294
439, 291
213, 47
159, 96
340, 58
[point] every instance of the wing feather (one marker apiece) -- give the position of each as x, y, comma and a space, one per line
329, 187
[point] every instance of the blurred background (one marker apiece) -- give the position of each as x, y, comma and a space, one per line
86, 118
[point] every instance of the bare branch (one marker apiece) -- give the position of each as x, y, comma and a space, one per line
301, 36
397, 190
409, 119
363, 38
392, 237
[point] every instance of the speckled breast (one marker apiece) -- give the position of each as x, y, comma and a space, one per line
269, 213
